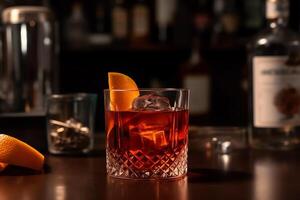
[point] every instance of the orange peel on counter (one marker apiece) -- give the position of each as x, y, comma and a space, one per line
18, 153
2, 166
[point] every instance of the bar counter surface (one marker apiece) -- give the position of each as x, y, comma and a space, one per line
249, 174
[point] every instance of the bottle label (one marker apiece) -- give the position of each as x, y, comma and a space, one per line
276, 92
200, 93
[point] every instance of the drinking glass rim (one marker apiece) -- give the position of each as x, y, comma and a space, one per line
150, 90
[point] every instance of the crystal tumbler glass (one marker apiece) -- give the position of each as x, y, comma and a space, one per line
148, 138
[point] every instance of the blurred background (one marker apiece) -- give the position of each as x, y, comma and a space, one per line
198, 44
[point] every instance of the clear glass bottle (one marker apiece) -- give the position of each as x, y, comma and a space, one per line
275, 82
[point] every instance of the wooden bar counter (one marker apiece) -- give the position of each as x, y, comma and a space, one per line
248, 174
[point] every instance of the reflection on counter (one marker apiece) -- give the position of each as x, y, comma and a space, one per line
152, 190
222, 140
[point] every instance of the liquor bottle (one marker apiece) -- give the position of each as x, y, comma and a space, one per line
164, 14
140, 21
253, 16
101, 31
179, 33
226, 25
76, 26
275, 82
120, 21
196, 77
100, 23
202, 19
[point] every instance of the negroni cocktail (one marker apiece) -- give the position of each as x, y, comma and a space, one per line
146, 130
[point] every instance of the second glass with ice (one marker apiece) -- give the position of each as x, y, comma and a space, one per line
147, 135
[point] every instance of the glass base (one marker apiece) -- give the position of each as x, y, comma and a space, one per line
275, 145
278, 138
137, 165
273, 140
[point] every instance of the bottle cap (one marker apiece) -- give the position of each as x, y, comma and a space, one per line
277, 9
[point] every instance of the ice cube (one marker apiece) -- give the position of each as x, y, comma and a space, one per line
148, 136
156, 137
151, 102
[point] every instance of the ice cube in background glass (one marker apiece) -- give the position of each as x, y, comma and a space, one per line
151, 102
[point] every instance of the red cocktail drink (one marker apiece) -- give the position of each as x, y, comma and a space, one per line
147, 143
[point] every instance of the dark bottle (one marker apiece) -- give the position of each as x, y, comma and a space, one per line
140, 13
164, 16
76, 26
253, 18
196, 76
226, 25
202, 20
100, 16
119, 20
180, 32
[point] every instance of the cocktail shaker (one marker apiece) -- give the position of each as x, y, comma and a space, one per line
29, 70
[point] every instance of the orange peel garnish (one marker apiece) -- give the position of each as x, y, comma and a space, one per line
121, 100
